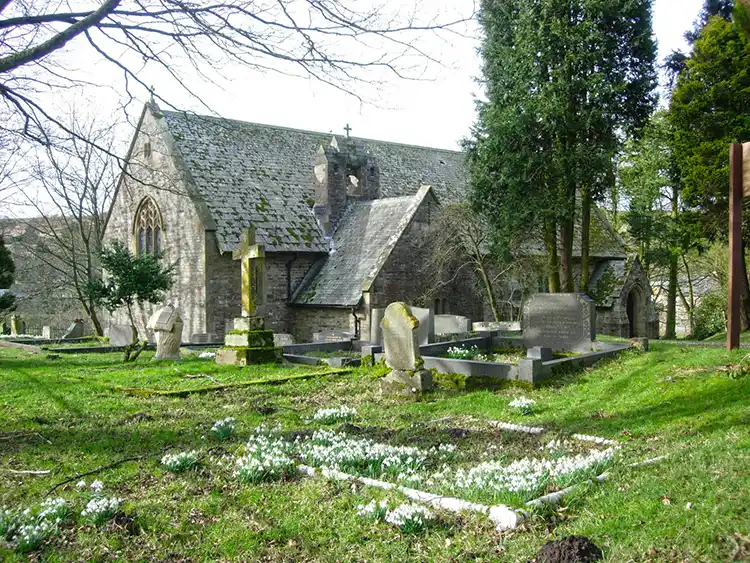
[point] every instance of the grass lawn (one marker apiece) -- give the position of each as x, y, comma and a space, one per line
69, 415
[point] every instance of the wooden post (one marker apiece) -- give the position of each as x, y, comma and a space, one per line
735, 245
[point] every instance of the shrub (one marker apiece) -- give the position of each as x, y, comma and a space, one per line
710, 315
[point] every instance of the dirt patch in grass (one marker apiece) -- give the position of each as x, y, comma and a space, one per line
571, 549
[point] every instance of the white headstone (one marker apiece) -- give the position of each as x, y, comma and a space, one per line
452, 324
120, 335
47, 332
376, 333
167, 326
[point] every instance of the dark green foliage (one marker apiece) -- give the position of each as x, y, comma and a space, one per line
7, 266
7, 276
711, 8
130, 280
710, 109
561, 78
710, 315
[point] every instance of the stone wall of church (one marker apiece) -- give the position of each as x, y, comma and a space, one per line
402, 279
308, 320
183, 232
284, 273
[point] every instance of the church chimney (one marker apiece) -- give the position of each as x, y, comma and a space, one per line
330, 187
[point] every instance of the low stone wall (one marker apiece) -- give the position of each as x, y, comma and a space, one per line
300, 349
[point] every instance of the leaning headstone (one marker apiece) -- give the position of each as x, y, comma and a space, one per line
75, 330
167, 326
401, 348
376, 333
16, 327
560, 321
120, 335
452, 324
426, 329
47, 332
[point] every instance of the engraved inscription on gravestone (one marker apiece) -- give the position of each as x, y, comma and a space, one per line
560, 321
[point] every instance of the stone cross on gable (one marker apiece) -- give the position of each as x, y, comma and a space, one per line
348, 130
252, 258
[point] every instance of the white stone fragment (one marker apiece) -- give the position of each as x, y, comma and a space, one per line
554, 498
517, 427
594, 439
650, 461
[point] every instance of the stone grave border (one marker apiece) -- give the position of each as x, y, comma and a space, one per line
295, 353
477, 374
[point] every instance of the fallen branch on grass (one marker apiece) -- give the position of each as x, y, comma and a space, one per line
104, 468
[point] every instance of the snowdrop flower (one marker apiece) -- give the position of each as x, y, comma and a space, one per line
177, 463
207, 355
54, 509
523, 404
31, 536
411, 518
99, 510
336, 414
373, 510
81, 484
97, 486
223, 429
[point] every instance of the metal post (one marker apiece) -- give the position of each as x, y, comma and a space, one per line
735, 245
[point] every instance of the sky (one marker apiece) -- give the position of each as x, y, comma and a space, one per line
436, 112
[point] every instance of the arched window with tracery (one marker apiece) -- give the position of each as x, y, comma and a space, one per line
148, 228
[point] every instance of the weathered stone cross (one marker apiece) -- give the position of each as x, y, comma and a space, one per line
252, 256
348, 130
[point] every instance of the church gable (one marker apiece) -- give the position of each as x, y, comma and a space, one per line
260, 175
368, 232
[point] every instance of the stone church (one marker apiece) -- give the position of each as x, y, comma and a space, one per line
342, 220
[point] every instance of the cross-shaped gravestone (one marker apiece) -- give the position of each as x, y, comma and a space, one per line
252, 257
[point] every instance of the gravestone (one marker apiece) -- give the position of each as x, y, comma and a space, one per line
16, 325
4, 328
248, 342
560, 321
282, 339
452, 324
120, 335
401, 348
502, 326
47, 332
332, 336
75, 330
376, 333
167, 326
426, 330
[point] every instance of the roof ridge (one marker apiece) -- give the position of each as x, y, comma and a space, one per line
284, 128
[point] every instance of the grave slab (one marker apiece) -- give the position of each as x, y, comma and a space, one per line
560, 321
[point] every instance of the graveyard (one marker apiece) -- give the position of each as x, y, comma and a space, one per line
659, 441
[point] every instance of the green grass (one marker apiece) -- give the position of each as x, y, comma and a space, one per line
65, 415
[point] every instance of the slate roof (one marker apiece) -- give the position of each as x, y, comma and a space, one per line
367, 234
248, 173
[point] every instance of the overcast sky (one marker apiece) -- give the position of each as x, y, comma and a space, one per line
433, 113
437, 112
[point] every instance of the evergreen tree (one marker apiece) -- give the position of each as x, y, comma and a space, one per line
710, 108
563, 78
7, 277
130, 280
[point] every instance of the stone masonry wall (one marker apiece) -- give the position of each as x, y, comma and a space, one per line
308, 320
401, 277
284, 273
183, 231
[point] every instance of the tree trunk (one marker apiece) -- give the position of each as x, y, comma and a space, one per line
744, 292
93, 315
691, 293
585, 238
566, 257
488, 289
550, 241
671, 333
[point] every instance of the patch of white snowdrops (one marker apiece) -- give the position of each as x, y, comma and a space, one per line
179, 462
223, 429
335, 414
27, 529
269, 457
409, 518
207, 355
523, 404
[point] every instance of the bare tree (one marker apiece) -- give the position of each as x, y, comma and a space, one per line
75, 185
459, 242
329, 40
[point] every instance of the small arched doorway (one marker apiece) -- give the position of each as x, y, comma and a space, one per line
636, 311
